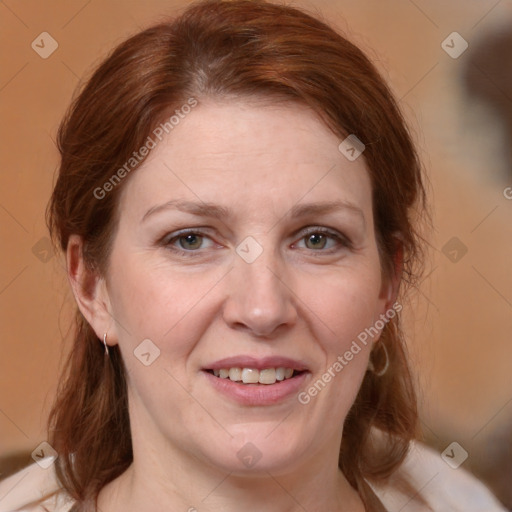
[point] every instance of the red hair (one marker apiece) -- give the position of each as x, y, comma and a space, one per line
216, 48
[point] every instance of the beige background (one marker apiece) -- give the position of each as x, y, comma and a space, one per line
460, 330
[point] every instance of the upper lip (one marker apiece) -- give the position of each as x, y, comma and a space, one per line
259, 363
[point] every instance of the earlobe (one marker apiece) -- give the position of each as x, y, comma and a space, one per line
88, 287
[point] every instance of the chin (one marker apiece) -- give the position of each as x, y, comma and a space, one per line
256, 453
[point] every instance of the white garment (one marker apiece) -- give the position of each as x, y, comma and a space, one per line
445, 489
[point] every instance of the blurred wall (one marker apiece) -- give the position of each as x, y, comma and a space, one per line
461, 318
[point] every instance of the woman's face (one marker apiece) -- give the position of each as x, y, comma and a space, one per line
280, 269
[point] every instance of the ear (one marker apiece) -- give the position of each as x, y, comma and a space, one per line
89, 288
392, 279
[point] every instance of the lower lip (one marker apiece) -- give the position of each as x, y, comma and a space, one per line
258, 394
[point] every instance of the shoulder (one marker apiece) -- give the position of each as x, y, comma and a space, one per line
33, 489
443, 487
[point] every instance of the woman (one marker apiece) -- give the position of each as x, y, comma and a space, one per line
235, 202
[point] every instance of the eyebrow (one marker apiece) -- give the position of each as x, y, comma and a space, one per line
213, 210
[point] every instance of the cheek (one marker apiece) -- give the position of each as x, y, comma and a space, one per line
160, 303
347, 306
166, 306
342, 309
345, 303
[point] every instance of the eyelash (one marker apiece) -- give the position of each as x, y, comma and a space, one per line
341, 239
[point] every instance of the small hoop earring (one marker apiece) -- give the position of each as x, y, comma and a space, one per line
105, 343
384, 369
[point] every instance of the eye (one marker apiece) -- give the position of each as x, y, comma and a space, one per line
186, 242
318, 238
317, 241
190, 241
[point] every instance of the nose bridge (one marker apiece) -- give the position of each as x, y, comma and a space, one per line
258, 299
261, 274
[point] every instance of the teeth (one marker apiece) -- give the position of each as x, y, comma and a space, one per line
254, 376
280, 373
267, 376
235, 374
250, 376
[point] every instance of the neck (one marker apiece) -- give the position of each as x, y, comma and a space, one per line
167, 475
190, 485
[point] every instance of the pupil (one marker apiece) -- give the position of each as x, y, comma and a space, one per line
189, 240
316, 239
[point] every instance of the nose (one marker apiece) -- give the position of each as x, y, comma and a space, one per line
259, 299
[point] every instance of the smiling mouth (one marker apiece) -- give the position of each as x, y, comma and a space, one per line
266, 376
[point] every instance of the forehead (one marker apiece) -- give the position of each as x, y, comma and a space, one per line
259, 157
